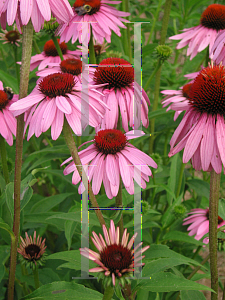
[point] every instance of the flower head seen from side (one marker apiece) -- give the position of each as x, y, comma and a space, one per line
10, 37
96, 13
218, 50
116, 260
32, 251
55, 96
198, 38
198, 221
37, 11
109, 157
50, 55
122, 93
7, 120
202, 130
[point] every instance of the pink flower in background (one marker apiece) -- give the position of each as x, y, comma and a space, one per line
218, 50
102, 17
116, 259
199, 37
122, 93
199, 220
38, 11
201, 133
7, 120
55, 96
109, 157
50, 55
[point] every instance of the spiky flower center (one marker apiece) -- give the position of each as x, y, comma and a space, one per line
117, 72
116, 257
220, 220
110, 141
12, 36
207, 93
213, 17
71, 66
50, 49
3, 99
33, 250
58, 84
186, 90
89, 7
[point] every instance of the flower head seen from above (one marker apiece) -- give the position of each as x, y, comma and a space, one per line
109, 157
37, 11
115, 259
121, 91
10, 37
32, 251
202, 130
102, 18
199, 37
50, 55
53, 97
199, 223
7, 120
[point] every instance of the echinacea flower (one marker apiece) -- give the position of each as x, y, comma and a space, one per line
199, 37
122, 93
199, 220
37, 11
50, 55
202, 130
7, 120
218, 50
32, 251
97, 14
116, 259
55, 96
110, 157
10, 37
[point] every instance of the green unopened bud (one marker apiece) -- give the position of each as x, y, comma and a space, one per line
157, 158
50, 26
142, 204
112, 53
179, 211
163, 52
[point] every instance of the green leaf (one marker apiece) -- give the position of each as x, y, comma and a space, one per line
2, 272
70, 227
168, 282
9, 191
159, 113
10, 81
64, 290
6, 227
221, 211
72, 216
174, 175
190, 295
181, 237
4, 253
199, 186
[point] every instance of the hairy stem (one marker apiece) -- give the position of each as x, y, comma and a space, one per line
92, 58
36, 278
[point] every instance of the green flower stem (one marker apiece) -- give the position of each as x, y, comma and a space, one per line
92, 58
17, 67
154, 21
36, 278
159, 64
180, 179
126, 33
213, 222
165, 23
4, 159
119, 203
55, 41
36, 48
109, 291
24, 72
73, 150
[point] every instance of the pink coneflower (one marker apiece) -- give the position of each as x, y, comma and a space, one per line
50, 55
7, 120
179, 99
116, 259
202, 130
218, 49
36, 10
199, 37
199, 220
109, 157
10, 37
53, 97
32, 250
121, 92
102, 17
